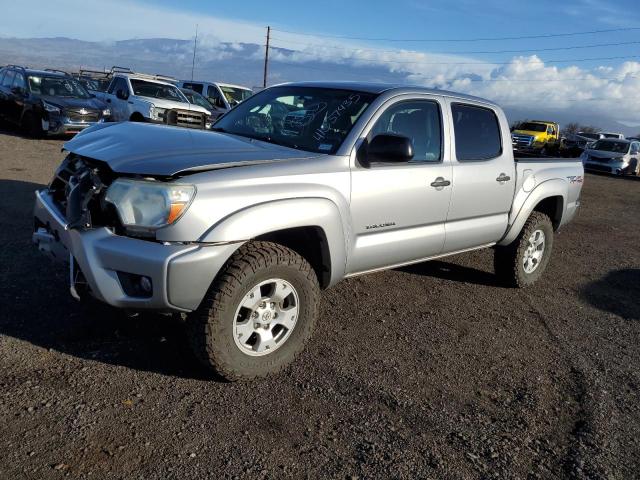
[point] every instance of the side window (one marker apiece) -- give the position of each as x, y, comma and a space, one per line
196, 87
118, 83
7, 81
634, 148
112, 85
18, 81
214, 94
477, 132
420, 121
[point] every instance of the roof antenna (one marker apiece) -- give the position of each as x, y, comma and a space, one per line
195, 44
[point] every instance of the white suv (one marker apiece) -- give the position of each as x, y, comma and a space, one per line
152, 98
223, 96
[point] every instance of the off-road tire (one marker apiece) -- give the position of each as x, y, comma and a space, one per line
31, 125
210, 327
508, 260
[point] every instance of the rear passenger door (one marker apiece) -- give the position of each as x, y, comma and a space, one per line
483, 176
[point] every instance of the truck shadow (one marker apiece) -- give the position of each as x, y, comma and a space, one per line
618, 292
452, 272
36, 307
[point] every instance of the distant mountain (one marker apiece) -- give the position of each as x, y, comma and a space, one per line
234, 63
240, 63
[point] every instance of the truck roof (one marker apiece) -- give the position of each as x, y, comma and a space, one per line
377, 88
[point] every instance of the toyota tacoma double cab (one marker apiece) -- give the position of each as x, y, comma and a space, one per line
297, 188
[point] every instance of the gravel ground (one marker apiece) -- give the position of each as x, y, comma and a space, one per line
429, 371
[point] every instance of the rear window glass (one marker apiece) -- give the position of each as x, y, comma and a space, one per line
196, 87
477, 132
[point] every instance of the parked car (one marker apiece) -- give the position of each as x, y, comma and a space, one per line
575, 143
139, 97
537, 136
241, 227
47, 102
223, 96
619, 136
612, 155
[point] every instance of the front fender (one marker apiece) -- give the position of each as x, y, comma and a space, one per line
527, 202
268, 217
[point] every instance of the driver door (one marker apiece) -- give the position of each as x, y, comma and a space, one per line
399, 209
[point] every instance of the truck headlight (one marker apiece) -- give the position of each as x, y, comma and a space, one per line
156, 113
145, 206
50, 107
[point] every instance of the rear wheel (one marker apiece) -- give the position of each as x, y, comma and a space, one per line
258, 314
522, 263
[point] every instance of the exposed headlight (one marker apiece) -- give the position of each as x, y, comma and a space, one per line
156, 113
106, 112
50, 108
618, 159
144, 206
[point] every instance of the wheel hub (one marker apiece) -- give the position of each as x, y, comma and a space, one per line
266, 316
534, 252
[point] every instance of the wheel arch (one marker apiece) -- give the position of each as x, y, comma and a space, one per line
549, 198
136, 117
310, 226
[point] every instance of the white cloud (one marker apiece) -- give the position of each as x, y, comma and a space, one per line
524, 82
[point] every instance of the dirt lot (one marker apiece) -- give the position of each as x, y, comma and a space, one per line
430, 371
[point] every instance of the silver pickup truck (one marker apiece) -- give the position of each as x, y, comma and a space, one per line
298, 187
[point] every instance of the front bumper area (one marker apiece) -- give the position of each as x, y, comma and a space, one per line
180, 274
58, 125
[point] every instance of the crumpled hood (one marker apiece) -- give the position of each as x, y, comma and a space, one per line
146, 149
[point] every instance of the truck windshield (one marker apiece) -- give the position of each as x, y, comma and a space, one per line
609, 146
307, 118
57, 87
197, 99
235, 95
143, 88
533, 127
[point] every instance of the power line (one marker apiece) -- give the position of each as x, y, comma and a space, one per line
528, 50
481, 39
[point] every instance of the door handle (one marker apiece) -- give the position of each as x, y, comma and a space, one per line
503, 178
440, 182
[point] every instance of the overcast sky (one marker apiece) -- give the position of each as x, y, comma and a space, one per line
516, 72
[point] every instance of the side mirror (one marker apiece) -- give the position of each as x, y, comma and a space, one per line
121, 94
389, 147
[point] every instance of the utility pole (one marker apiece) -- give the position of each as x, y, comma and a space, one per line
195, 44
266, 58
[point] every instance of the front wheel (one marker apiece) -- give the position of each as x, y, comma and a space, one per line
258, 314
522, 263
32, 125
